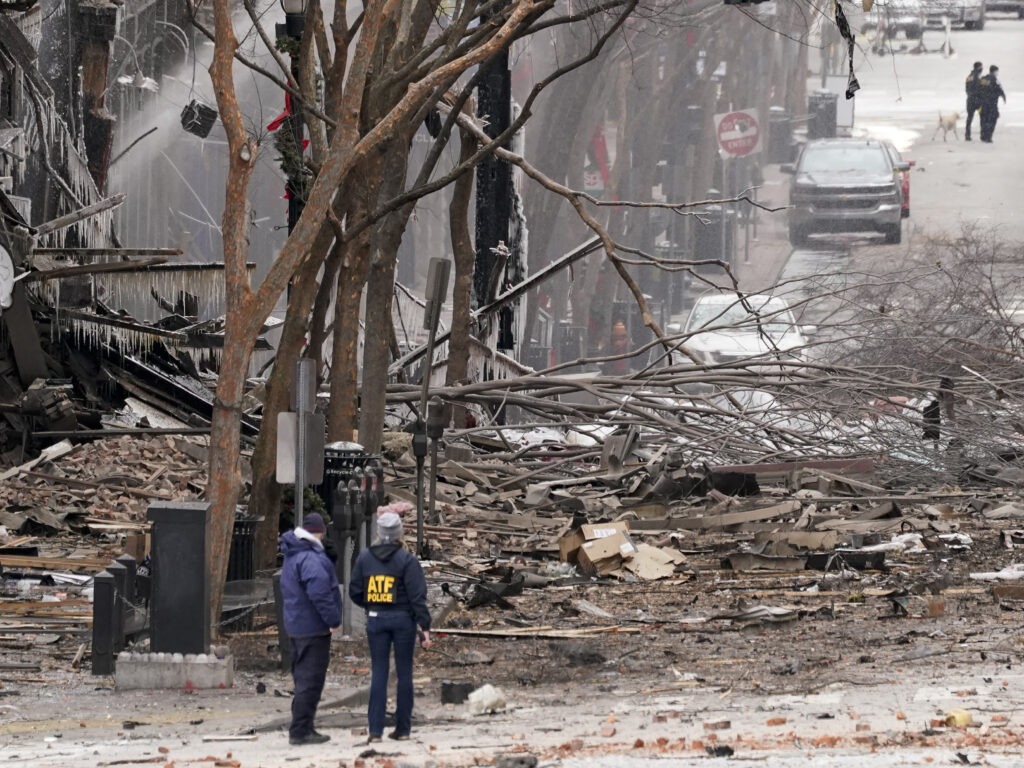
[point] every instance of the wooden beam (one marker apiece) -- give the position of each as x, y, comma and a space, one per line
92, 269
859, 466
128, 325
93, 252
90, 433
54, 563
546, 632
88, 211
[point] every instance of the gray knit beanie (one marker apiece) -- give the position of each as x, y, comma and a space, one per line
389, 527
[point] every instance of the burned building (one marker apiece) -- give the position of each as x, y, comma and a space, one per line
74, 339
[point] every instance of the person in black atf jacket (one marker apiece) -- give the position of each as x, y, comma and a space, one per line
312, 611
388, 582
990, 93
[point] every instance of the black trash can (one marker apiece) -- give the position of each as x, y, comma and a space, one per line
709, 241
780, 136
822, 106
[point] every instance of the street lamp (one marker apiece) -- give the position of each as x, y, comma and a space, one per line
289, 36
294, 17
138, 80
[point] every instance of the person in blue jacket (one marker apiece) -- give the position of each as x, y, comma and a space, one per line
388, 582
312, 611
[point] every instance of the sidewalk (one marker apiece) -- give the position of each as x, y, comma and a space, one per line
760, 261
74, 724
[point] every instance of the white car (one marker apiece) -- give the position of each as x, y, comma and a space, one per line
725, 329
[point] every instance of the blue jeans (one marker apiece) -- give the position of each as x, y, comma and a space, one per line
385, 629
310, 656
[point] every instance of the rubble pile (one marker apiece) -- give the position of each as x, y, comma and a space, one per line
607, 575
100, 486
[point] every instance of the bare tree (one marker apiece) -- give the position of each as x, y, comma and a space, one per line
396, 73
385, 68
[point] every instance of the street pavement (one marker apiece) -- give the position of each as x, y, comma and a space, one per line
956, 186
887, 717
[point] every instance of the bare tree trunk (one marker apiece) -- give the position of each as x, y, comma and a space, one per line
465, 256
225, 430
319, 327
380, 291
344, 409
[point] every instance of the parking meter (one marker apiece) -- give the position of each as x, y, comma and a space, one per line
355, 498
436, 418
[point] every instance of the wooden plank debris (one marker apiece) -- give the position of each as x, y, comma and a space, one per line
541, 632
54, 563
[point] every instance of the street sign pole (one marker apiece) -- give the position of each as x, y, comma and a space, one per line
725, 206
437, 290
739, 135
304, 385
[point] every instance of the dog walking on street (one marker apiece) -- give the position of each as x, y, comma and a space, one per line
947, 124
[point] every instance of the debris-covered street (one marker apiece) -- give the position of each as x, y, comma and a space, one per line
818, 613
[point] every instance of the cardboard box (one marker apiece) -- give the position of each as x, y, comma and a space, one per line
604, 555
570, 543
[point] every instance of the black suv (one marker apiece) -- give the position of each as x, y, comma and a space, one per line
845, 185
1007, 6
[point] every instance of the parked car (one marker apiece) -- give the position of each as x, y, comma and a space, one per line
895, 16
845, 185
969, 14
1006, 6
725, 329
897, 160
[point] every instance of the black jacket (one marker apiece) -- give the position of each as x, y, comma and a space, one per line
990, 91
388, 577
972, 85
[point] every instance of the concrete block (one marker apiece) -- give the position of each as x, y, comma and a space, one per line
173, 670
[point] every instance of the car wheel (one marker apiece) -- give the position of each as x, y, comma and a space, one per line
797, 237
894, 236
913, 33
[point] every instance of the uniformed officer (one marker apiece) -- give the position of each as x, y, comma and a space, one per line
973, 88
388, 582
991, 91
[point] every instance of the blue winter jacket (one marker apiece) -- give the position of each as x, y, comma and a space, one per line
309, 586
388, 577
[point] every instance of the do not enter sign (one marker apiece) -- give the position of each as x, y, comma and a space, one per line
739, 133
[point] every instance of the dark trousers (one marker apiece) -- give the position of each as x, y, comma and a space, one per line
384, 630
310, 656
973, 105
989, 115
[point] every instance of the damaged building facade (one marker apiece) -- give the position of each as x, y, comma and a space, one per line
84, 321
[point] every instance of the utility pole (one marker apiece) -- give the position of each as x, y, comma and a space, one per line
493, 176
96, 27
